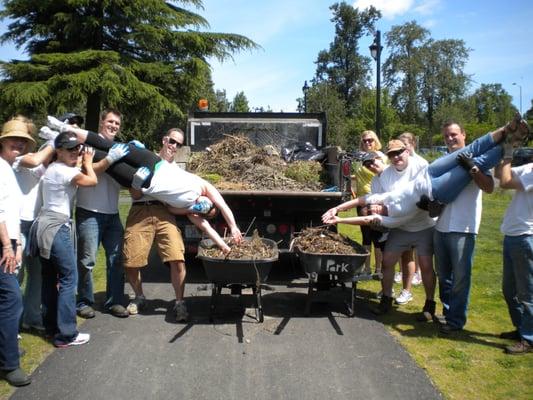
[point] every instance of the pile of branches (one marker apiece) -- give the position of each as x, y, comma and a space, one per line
321, 240
241, 165
253, 249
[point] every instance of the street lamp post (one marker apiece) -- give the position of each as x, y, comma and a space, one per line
305, 89
519, 87
375, 51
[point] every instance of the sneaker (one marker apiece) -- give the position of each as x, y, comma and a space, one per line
512, 335
86, 312
521, 347
136, 305
404, 297
384, 306
202, 206
16, 377
380, 293
397, 277
448, 329
39, 329
82, 338
428, 312
417, 279
119, 311
180, 311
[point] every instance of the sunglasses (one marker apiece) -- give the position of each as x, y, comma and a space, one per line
368, 140
175, 142
77, 148
395, 153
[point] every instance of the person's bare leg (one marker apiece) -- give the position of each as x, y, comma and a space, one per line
177, 278
133, 275
378, 258
368, 248
387, 268
429, 279
408, 267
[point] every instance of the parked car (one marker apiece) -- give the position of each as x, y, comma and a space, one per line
521, 156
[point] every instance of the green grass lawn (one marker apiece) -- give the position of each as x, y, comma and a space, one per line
470, 365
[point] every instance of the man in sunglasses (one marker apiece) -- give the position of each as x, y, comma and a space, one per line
150, 220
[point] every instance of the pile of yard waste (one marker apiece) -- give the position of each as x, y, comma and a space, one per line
322, 240
253, 249
235, 163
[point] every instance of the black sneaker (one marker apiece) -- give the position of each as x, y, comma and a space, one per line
384, 306
428, 312
521, 347
16, 377
118, 311
447, 329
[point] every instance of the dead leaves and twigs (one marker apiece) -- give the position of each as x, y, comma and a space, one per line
241, 165
321, 240
253, 249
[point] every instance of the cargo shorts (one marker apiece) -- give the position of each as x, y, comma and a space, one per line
148, 222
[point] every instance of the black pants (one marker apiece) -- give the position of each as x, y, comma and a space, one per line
123, 170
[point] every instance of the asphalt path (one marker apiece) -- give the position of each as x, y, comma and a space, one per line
288, 356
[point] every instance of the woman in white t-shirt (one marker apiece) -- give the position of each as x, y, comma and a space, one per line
54, 235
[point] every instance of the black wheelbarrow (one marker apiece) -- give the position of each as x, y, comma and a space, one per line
237, 274
326, 271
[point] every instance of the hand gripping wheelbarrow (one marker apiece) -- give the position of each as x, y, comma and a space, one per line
329, 270
228, 273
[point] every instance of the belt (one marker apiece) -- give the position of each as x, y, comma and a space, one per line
147, 203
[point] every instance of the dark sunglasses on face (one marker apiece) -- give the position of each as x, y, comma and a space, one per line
77, 148
368, 140
396, 153
175, 142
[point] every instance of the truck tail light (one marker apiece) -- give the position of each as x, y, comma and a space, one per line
346, 166
283, 229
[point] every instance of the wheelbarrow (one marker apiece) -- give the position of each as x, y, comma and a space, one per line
326, 271
237, 274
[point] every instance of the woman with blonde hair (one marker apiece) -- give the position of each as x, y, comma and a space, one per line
369, 143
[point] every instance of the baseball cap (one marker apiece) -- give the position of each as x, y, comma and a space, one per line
71, 118
395, 145
369, 157
66, 140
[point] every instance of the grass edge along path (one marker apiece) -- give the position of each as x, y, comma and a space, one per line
469, 365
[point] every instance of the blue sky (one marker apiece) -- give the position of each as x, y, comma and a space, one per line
292, 32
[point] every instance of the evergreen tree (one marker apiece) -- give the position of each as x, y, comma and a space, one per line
240, 103
147, 58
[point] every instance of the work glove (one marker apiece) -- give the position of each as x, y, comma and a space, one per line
137, 144
139, 177
57, 125
47, 133
116, 152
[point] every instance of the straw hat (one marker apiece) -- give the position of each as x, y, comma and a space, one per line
16, 128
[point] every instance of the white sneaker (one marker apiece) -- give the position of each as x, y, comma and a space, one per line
417, 279
180, 311
136, 305
397, 277
82, 338
404, 297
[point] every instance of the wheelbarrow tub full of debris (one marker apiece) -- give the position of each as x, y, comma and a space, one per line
244, 271
236, 273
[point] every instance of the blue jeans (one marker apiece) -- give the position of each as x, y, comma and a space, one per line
448, 178
32, 314
454, 254
93, 228
60, 277
10, 312
517, 282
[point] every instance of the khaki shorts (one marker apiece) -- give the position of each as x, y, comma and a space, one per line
146, 223
400, 241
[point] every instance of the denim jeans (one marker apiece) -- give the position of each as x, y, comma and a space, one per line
32, 314
454, 254
517, 282
10, 312
60, 277
448, 179
93, 228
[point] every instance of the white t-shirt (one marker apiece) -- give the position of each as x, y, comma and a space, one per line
418, 161
464, 213
58, 189
10, 200
28, 180
102, 198
174, 186
518, 218
393, 180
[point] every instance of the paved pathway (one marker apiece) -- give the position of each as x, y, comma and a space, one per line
288, 356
